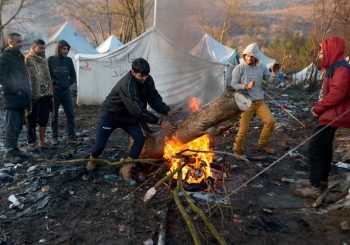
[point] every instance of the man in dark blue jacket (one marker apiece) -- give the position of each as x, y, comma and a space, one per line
63, 76
125, 108
15, 82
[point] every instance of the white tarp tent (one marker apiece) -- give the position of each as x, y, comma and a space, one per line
210, 49
264, 59
108, 45
177, 74
308, 72
78, 43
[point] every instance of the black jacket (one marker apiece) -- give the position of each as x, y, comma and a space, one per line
128, 100
14, 80
62, 72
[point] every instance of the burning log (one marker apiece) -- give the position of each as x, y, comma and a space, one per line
201, 122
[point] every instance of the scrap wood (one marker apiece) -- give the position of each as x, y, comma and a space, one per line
147, 161
320, 199
205, 219
163, 214
185, 215
152, 191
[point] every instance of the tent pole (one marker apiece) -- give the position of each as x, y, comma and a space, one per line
155, 13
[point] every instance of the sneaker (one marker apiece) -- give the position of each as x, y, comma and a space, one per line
11, 157
91, 165
308, 192
266, 149
54, 142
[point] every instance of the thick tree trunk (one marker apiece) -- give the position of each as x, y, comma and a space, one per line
201, 122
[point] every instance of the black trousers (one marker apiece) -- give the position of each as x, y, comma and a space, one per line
320, 154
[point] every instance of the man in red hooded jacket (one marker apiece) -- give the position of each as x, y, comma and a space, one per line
332, 111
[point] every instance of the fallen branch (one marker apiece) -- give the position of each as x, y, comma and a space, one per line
152, 191
184, 214
205, 219
146, 161
219, 152
320, 199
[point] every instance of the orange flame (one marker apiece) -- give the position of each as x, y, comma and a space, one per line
194, 104
199, 166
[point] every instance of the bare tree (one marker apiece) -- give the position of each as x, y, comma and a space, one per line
13, 15
101, 18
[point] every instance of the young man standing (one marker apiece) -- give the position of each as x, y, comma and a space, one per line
332, 111
15, 83
63, 76
125, 108
248, 76
40, 80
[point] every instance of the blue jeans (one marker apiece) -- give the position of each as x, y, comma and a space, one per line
13, 128
63, 97
107, 124
320, 154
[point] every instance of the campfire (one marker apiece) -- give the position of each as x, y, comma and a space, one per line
197, 163
197, 166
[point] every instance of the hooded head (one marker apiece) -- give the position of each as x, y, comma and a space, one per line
332, 50
251, 50
60, 45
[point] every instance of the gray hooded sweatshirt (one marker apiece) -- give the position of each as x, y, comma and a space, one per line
244, 73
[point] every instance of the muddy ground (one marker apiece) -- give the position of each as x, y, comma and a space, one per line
61, 204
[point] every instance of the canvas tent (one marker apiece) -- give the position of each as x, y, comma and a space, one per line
177, 74
308, 72
264, 59
108, 45
78, 43
210, 49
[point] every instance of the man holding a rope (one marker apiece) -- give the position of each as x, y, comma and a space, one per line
332, 111
248, 76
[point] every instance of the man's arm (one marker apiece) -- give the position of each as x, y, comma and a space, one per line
236, 78
72, 73
4, 68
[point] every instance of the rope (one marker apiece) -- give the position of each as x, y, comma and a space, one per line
278, 160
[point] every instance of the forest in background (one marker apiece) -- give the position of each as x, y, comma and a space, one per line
288, 31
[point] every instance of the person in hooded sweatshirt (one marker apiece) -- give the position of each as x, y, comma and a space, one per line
248, 75
332, 111
41, 85
63, 76
15, 83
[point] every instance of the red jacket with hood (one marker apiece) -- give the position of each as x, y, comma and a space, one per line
336, 89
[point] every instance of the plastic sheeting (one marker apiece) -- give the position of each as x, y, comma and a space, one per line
78, 43
177, 74
108, 45
308, 72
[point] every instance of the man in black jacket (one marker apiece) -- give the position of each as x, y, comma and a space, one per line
125, 107
63, 76
15, 82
